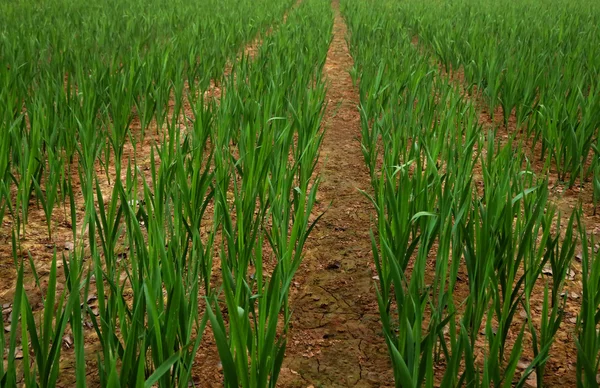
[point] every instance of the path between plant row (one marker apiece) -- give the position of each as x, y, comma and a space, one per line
336, 336
335, 331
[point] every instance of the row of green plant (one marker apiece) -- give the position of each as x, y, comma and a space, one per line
537, 59
231, 186
471, 256
79, 81
271, 111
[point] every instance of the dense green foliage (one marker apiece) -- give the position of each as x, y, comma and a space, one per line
537, 59
84, 87
453, 203
185, 171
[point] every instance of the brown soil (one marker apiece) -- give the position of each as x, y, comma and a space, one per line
336, 338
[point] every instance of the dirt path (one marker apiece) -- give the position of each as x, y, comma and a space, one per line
335, 334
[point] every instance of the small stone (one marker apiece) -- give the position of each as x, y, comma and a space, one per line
522, 364
547, 270
69, 246
531, 380
67, 341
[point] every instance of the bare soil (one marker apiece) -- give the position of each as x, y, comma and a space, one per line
336, 338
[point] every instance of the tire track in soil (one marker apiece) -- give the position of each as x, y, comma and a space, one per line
335, 335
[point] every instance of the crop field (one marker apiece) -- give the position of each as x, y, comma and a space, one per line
300, 193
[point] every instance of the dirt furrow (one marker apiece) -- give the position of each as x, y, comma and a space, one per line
335, 282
